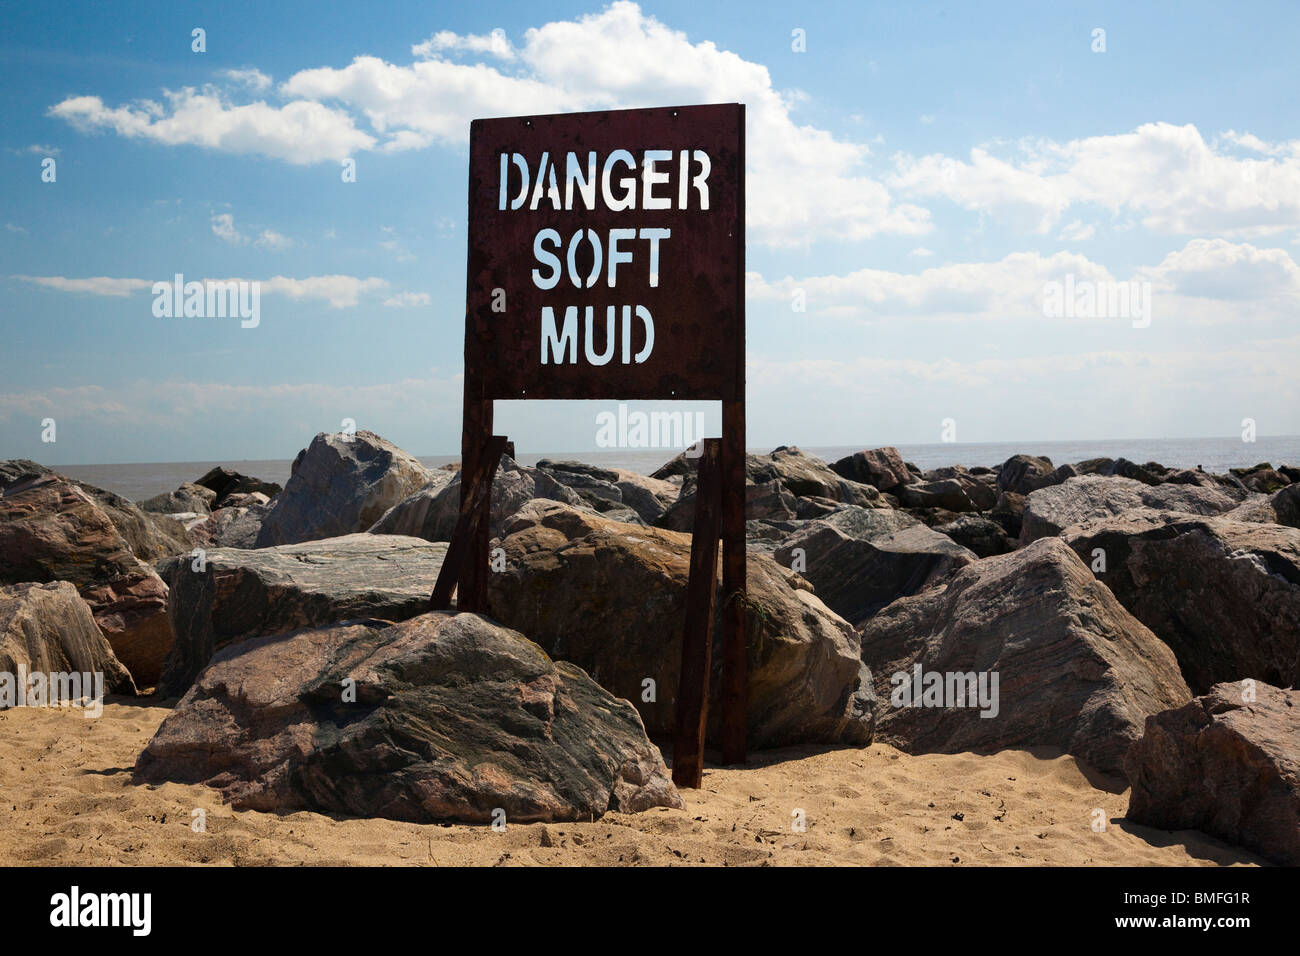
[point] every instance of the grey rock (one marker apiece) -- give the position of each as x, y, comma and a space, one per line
235, 595
1224, 595
455, 718
340, 484
861, 559
1049, 511
1075, 671
611, 598
1225, 765
48, 629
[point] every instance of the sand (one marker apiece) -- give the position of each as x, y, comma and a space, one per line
68, 799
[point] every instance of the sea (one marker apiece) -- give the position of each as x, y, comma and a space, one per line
141, 480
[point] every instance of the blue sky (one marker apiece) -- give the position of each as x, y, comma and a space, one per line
917, 176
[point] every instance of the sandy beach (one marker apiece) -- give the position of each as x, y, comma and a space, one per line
71, 801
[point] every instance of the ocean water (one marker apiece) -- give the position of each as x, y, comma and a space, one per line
144, 480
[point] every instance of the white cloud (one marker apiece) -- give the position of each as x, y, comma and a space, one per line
1167, 175
95, 285
252, 78
803, 182
1189, 285
299, 132
408, 299
15, 228
223, 227
270, 239
493, 44
340, 291
1076, 231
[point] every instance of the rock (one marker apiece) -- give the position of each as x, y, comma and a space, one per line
132, 613
340, 484
676, 467
1049, 511
14, 470
151, 537
455, 718
186, 498
805, 475
224, 483
238, 594
880, 467
1224, 595
1226, 766
1009, 512
1281, 507
48, 629
1123, 468
767, 501
432, 512
648, 497
597, 487
53, 529
981, 535
236, 525
610, 597
1261, 478
861, 559
947, 494
1023, 473
1074, 670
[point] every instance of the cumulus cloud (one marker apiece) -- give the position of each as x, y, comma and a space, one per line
408, 299
1191, 286
804, 183
445, 41
340, 291
252, 78
298, 132
1165, 174
95, 285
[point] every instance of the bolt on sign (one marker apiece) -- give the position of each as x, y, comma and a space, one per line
606, 255
607, 261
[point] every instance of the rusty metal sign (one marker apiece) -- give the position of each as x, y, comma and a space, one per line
606, 255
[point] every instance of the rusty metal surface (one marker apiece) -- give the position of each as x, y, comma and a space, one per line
697, 639
698, 306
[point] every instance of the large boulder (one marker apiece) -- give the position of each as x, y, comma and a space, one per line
1023, 473
597, 487
14, 470
880, 467
187, 498
1048, 511
52, 529
1281, 507
435, 719
983, 536
861, 559
1228, 763
151, 537
232, 595
236, 524
340, 484
1073, 669
648, 497
611, 597
223, 483
48, 629
432, 511
805, 475
1224, 595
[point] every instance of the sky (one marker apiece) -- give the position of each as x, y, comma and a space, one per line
919, 176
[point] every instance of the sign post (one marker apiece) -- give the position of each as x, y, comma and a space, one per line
607, 261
